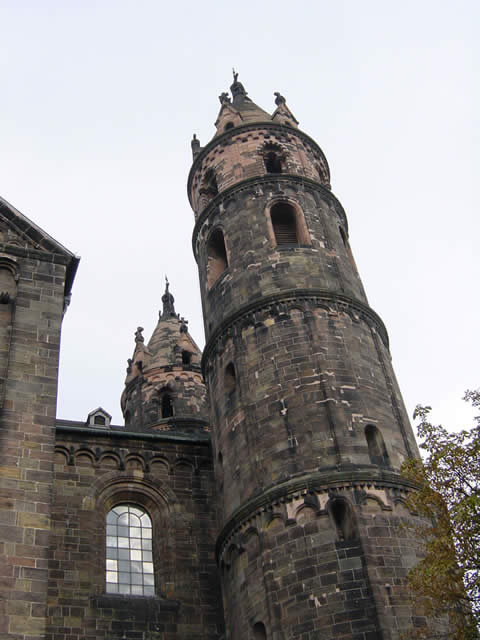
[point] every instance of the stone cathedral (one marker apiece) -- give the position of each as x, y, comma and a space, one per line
254, 491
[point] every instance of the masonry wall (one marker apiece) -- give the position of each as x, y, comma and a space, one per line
172, 479
238, 156
142, 398
257, 267
309, 380
28, 392
288, 569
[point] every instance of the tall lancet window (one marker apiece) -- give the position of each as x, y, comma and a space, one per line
376, 446
129, 562
284, 223
217, 261
167, 406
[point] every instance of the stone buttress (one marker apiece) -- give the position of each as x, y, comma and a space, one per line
308, 424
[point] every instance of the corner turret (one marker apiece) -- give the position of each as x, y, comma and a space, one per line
164, 387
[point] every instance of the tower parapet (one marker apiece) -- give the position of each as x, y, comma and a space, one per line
308, 424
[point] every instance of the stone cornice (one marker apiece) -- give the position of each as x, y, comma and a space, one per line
263, 180
202, 438
330, 479
253, 126
317, 296
34, 254
41, 246
44, 256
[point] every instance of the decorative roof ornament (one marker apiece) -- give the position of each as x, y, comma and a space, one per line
282, 113
224, 98
168, 302
237, 88
138, 335
195, 144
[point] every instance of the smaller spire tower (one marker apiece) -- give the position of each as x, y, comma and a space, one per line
164, 389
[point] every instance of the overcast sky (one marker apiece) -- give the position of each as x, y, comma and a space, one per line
99, 104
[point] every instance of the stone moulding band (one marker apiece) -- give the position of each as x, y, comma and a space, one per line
266, 180
330, 480
242, 129
196, 437
316, 297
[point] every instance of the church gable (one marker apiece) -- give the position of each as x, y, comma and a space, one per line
18, 235
17, 230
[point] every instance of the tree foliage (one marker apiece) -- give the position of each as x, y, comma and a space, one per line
447, 580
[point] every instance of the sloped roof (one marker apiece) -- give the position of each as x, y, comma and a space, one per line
33, 237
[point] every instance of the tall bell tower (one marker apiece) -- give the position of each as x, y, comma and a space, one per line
309, 426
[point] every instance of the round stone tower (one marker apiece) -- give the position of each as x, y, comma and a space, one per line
309, 427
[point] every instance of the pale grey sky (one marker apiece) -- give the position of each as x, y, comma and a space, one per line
99, 104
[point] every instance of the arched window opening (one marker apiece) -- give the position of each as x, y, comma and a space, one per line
259, 631
273, 162
343, 518
284, 224
211, 183
217, 257
228, 126
220, 469
100, 420
129, 562
230, 378
186, 357
376, 446
8, 285
167, 406
347, 246
8, 293
127, 417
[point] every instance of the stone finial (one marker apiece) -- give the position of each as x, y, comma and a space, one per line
237, 87
168, 302
195, 145
224, 98
138, 335
279, 99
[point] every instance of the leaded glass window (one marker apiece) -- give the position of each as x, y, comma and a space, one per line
129, 563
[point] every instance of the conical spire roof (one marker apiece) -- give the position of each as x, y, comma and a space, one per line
248, 109
239, 109
170, 343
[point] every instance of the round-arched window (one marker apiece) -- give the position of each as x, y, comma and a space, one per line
129, 562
